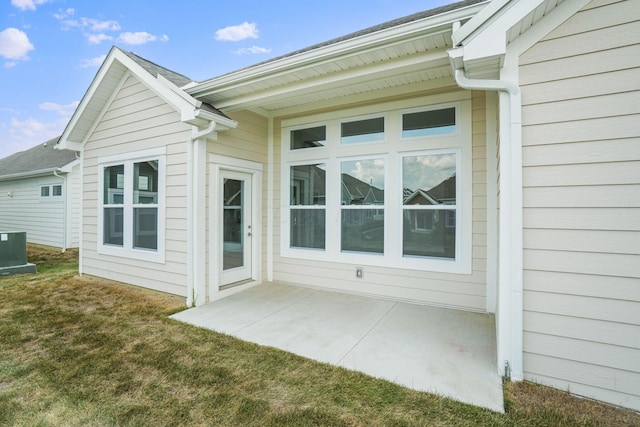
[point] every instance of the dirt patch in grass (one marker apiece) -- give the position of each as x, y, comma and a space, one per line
82, 351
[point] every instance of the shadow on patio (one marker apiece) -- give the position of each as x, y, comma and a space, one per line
444, 351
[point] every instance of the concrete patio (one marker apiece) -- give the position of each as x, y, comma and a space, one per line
449, 352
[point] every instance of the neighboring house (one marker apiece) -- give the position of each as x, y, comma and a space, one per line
532, 106
40, 192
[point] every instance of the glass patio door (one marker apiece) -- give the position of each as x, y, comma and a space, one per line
236, 227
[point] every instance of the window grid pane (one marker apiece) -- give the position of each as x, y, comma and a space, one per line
308, 138
113, 226
368, 130
429, 205
145, 228
114, 185
308, 185
307, 228
362, 230
426, 123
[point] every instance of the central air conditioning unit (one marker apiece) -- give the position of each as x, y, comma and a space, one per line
13, 254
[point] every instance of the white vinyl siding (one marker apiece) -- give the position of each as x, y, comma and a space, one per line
581, 177
135, 120
466, 291
42, 218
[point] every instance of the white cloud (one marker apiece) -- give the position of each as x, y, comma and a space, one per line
63, 14
88, 24
10, 64
19, 134
97, 38
140, 37
63, 110
235, 33
93, 62
97, 25
27, 4
251, 50
14, 44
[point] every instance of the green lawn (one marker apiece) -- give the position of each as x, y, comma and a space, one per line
87, 352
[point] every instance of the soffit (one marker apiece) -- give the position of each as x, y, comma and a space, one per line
531, 19
392, 55
411, 61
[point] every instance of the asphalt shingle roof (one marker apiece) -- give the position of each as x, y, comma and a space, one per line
175, 78
41, 157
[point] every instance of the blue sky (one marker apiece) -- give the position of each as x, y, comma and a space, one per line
50, 50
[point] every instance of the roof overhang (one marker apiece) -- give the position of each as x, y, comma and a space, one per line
413, 52
480, 45
103, 88
30, 174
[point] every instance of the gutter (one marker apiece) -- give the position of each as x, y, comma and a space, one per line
65, 211
196, 158
510, 252
40, 172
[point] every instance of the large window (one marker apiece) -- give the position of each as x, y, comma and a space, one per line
131, 207
389, 188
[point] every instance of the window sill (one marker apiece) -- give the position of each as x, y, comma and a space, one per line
436, 265
135, 254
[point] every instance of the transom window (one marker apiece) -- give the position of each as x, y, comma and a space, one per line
392, 189
132, 208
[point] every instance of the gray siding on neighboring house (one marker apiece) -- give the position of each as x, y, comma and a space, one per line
136, 120
465, 291
581, 177
41, 217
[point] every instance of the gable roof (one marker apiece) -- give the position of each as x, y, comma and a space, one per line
39, 160
155, 69
162, 81
180, 80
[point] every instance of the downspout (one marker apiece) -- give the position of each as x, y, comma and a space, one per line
195, 208
510, 248
65, 210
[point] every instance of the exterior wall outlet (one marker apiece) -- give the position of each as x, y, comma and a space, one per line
359, 272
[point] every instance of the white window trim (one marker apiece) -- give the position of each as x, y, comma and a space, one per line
394, 147
51, 197
127, 250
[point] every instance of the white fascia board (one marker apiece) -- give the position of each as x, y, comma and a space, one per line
489, 38
182, 102
105, 68
222, 123
69, 166
170, 93
30, 174
332, 51
477, 21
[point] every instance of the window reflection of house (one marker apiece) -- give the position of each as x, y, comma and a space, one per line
362, 228
437, 225
357, 192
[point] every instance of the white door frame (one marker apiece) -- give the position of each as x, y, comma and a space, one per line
218, 164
